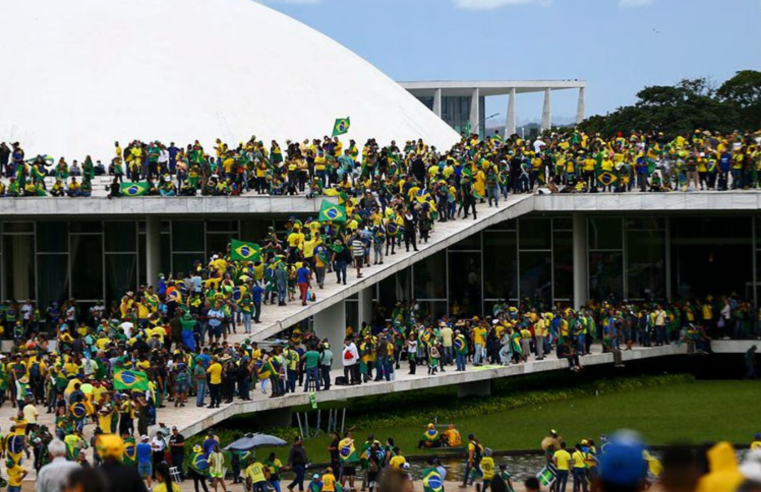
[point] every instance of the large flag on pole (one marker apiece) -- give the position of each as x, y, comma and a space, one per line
125, 379
243, 251
332, 212
341, 126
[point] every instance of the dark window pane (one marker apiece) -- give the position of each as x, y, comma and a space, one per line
431, 277
86, 226
536, 275
535, 233
646, 268
164, 258
646, 223
183, 262
470, 242
142, 266
563, 265
395, 288
18, 259
222, 226
216, 244
187, 236
87, 267
430, 311
465, 283
562, 223
501, 261
18, 227
52, 237
121, 275
53, 274
121, 237
714, 227
507, 225
605, 233
606, 275
352, 314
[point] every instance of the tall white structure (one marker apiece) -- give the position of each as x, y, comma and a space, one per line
80, 74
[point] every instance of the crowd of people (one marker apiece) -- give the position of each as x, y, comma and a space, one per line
567, 162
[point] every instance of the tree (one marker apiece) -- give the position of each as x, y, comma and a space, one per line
744, 91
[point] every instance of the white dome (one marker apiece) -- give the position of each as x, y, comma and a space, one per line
79, 74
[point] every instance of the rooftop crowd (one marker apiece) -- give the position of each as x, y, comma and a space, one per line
563, 162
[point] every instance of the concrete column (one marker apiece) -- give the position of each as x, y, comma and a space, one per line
152, 250
476, 388
437, 102
580, 106
510, 128
330, 323
22, 255
475, 117
366, 305
580, 260
546, 110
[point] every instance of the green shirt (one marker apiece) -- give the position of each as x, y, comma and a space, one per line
312, 359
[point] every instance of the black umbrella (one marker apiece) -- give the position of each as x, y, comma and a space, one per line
252, 441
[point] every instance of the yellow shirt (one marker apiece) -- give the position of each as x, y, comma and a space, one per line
328, 482
755, 445
256, 473
562, 459
487, 467
161, 487
479, 335
215, 373
397, 462
14, 475
578, 459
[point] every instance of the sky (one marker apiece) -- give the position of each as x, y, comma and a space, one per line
617, 46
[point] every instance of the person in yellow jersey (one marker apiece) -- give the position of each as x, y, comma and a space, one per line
164, 480
254, 476
579, 463
487, 471
756, 444
328, 481
562, 461
397, 461
16, 475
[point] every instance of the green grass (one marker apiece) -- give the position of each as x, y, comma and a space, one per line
687, 413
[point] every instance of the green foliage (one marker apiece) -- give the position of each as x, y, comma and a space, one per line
688, 105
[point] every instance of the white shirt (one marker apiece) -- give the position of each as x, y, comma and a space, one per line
157, 444
51, 476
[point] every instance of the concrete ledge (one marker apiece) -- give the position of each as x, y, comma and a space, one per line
415, 383
734, 346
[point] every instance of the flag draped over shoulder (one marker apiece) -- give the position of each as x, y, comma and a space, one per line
134, 189
432, 481
125, 379
332, 212
243, 251
341, 126
346, 452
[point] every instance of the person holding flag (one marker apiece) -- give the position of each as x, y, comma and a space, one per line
347, 455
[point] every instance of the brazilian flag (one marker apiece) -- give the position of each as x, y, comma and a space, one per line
432, 481
243, 251
333, 213
134, 189
130, 451
341, 126
125, 379
346, 452
607, 178
238, 293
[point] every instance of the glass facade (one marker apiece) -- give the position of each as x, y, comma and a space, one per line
629, 257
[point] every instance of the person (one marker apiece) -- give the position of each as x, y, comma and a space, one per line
297, 460
215, 383
531, 485
475, 452
119, 476
216, 468
487, 471
158, 445
431, 478
85, 480
164, 479
254, 476
198, 468
51, 476
144, 460
579, 460
328, 480
177, 450
622, 467
350, 359
16, 475
311, 367
750, 363
562, 460
273, 466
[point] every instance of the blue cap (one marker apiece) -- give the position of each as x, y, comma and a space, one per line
622, 462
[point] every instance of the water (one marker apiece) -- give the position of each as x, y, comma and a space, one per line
520, 466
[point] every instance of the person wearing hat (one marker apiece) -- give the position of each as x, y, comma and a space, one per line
144, 460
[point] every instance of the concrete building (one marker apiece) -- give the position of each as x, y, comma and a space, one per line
462, 103
121, 74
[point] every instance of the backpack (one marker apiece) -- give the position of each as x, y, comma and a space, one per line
34, 371
478, 452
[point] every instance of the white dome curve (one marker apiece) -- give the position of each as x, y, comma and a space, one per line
81, 74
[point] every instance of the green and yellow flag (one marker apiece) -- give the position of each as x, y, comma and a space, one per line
332, 212
134, 189
243, 251
126, 379
341, 126
346, 452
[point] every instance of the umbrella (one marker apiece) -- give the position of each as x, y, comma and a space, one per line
252, 441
